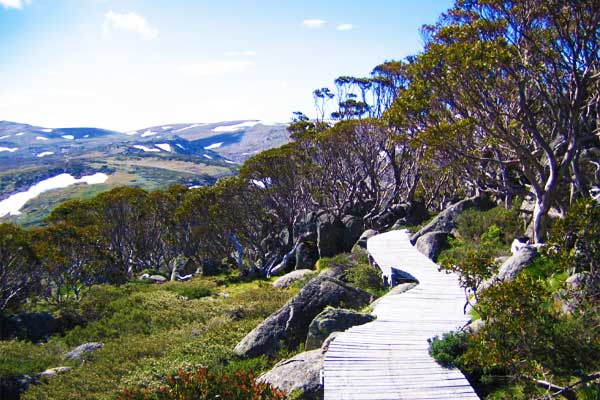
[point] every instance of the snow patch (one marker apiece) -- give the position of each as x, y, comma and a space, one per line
236, 127
149, 133
214, 146
45, 153
230, 162
46, 130
131, 133
9, 149
258, 183
4, 137
68, 137
166, 128
41, 138
146, 149
188, 127
20, 133
86, 136
270, 123
164, 146
180, 146
207, 156
13, 204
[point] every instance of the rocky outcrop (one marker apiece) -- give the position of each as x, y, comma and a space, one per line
400, 215
353, 228
82, 350
307, 255
332, 320
286, 280
512, 266
289, 325
515, 264
446, 220
322, 234
432, 243
330, 235
153, 278
52, 372
299, 373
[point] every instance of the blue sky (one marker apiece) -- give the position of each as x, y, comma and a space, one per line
128, 64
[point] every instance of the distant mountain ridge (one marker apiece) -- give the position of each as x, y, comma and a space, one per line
191, 154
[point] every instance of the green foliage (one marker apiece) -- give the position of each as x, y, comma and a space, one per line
366, 277
448, 349
19, 267
527, 337
202, 384
575, 240
19, 357
476, 226
191, 290
482, 236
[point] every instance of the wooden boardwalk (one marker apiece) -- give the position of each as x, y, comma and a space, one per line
388, 358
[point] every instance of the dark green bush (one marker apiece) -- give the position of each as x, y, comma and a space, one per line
472, 224
196, 291
449, 349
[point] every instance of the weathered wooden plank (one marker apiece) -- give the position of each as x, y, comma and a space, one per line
388, 358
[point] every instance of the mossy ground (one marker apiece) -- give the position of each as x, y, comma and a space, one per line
149, 331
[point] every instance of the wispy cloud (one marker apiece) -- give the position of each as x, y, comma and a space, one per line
313, 23
18, 4
246, 53
212, 68
130, 22
345, 27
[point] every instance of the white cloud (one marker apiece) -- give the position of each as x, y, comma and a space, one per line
313, 23
345, 27
130, 22
18, 4
247, 53
212, 68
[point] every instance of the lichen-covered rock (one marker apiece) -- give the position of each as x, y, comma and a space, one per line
299, 373
361, 243
432, 243
289, 325
307, 255
327, 342
83, 349
332, 320
330, 235
515, 264
512, 266
153, 278
286, 280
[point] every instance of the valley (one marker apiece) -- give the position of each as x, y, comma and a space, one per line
156, 157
